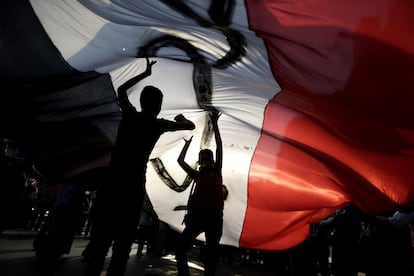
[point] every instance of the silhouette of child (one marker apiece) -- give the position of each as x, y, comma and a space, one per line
205, 208
119, 201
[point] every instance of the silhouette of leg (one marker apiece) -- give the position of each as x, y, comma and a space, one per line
120, 256
213, 235
98, 249
125, 235
186, 239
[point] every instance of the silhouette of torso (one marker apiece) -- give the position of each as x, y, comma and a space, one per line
208, 192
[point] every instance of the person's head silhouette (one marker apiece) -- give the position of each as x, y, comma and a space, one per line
151, 100
205, 158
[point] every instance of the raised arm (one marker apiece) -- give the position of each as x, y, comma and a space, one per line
181, 158
122, 90
214, 116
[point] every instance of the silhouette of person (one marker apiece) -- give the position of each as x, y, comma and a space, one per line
119, 201
13, 165
205, 207
392, 252
346, 254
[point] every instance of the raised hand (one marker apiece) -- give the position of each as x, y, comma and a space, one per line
150, 63
189, 140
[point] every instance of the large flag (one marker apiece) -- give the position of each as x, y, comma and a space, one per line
315, 98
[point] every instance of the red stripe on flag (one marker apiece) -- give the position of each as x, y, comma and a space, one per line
342, 129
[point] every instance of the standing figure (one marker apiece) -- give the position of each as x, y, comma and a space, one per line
119, 200
346, 253
205, 207
389, 249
